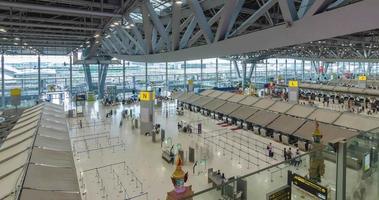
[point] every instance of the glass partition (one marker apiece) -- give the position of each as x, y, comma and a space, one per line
295, 175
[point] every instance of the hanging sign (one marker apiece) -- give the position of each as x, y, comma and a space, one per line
293, 84
362, 78
146, 96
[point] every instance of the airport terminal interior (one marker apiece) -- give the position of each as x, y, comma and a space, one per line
189, 99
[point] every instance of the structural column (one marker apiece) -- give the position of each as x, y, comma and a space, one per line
255, 74
266, 75
276, 71
230, 72
166, 76
216, 72
201, 73
243, 74
302, 70
2, 81
185, 75
39, 76
295, 68
146, 79
285, 72
71, 77
123, 79
98, 81
341, 171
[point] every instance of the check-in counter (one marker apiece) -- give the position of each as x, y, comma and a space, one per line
244, 125
256, 129
263, 131
277, 136
285, 139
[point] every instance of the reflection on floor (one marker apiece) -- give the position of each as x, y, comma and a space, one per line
117, 162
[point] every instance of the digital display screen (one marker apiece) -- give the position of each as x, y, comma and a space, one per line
313, 188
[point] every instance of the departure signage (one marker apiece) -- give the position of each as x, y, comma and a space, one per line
146, 96
15, 92
282, 193
313, 188
362, 78
293, 84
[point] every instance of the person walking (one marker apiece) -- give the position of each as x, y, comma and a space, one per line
289, 154
285, 153
80, 124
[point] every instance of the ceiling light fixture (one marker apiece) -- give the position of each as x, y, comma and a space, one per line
3, 30
108, 36
16, 38
179, 2
97, 35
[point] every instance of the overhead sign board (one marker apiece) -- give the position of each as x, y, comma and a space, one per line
311, 187
146, 96
15, 92
362, 78
282, 193
293, 84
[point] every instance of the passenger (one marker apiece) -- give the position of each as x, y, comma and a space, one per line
80, 124
298, 159
285, 153
218, 172
289, 154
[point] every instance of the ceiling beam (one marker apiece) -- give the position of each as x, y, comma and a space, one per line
58, 10
48, 26
38, 45
33, 30
84, 3
26, 34
362, 14
49, 20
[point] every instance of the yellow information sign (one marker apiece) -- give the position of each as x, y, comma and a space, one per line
190, 82
293, 84
146, 96
15, 92
362, 78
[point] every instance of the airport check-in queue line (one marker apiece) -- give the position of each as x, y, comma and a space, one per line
239, 149
122, 188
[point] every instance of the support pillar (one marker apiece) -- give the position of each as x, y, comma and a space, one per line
276, 71
255, 74
285, 73
243, 74
99, 80
302, 70
185, 76
216, 72
166, 81
71, 77
230, 71
201, 73
146, 78
39, 76
341, 171
123, 79
266, 75
2, 81
295, 68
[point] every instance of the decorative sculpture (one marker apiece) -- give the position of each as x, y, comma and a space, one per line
316, 158
179, 177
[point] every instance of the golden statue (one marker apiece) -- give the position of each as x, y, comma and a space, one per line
316, 158
179, 177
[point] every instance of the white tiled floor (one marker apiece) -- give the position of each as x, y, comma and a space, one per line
141, 169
